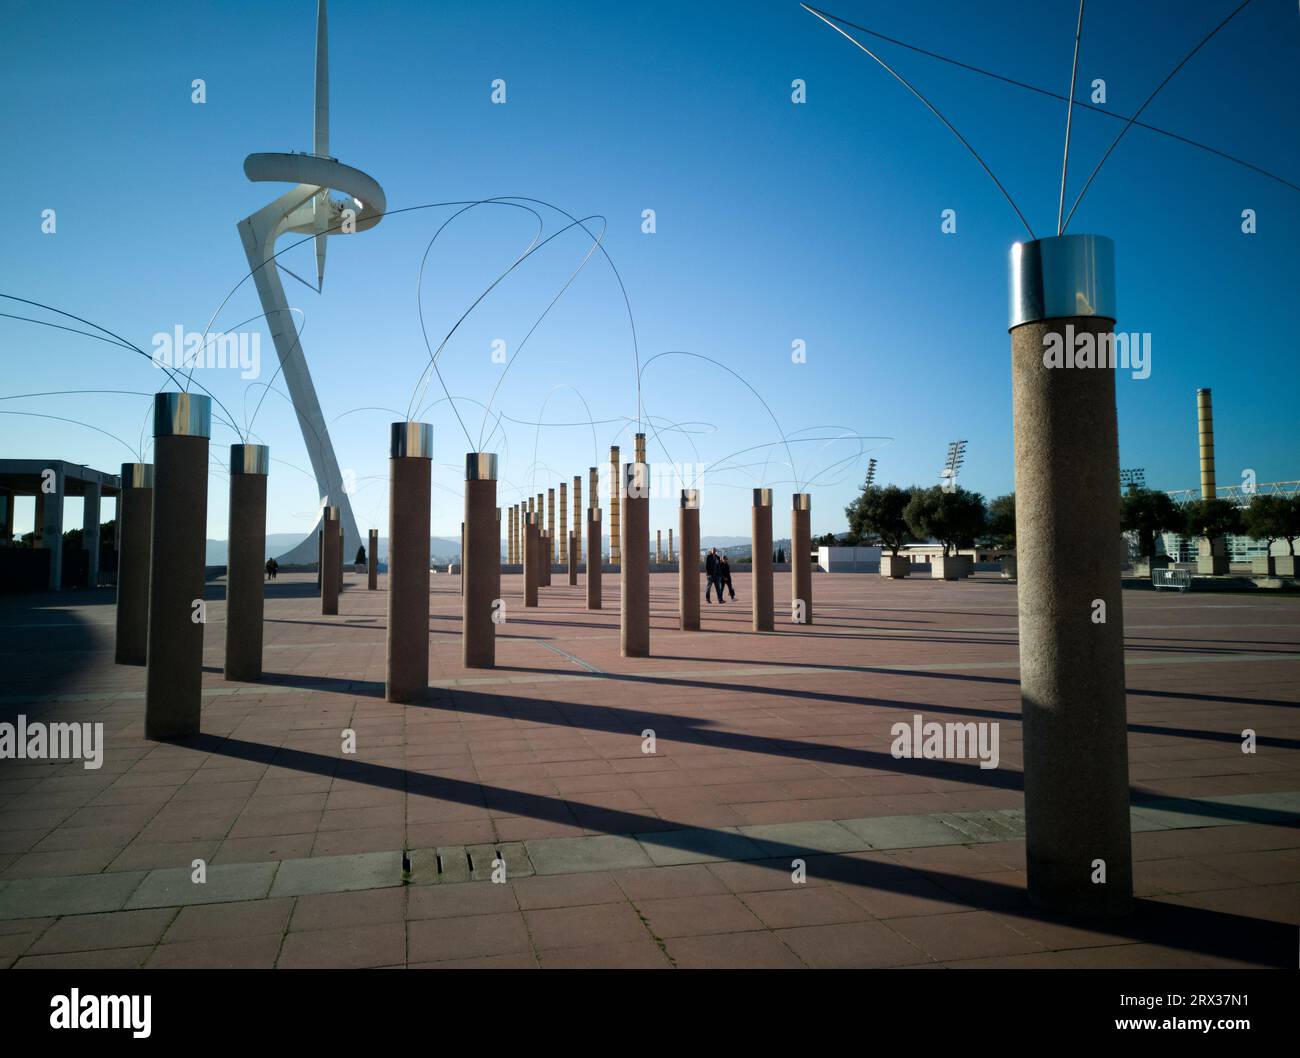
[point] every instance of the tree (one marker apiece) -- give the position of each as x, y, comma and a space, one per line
1211, 518
1265, 519
1148, 513
954, 518
1291, 522
878, 515
1000, 529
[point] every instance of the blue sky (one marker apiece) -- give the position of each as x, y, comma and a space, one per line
775, 222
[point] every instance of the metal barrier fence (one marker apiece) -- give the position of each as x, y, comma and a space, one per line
1178, 579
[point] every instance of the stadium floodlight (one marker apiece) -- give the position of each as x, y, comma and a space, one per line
1134, 478
952, 465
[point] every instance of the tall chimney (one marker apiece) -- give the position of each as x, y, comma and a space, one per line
1205, 430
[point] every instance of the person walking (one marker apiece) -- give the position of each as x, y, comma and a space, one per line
724, 577
711, 574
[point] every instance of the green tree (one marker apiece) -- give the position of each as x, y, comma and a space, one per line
877, 515
1148, 513
1209, 519
954, 518
1265, 519
1291, 522
1000, 529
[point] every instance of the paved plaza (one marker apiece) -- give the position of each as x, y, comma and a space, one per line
767, 749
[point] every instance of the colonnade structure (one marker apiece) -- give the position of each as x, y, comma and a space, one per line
161, 611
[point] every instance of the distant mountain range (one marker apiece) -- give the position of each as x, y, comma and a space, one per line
445, 549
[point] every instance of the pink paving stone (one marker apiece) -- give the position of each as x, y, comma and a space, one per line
571, 927
375, 944
466, 937
690, 916
641, 954
750, 730
756, 951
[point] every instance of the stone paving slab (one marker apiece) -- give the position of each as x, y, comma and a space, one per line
225, 883
778, 839
75, 895
336, 874
605, 852
699, 845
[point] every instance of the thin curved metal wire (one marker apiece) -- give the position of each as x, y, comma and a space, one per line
1038, 89
1129, 124
1069, 115
118, 340
933, 110
744, 381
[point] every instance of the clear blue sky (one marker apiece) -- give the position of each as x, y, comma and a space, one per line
775, 222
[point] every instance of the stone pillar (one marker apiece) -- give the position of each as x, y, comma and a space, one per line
548, 559
410, 480
634, 569
801, 603
48, 527
462, 559
1067, 521
532, 558
331, 573
134, 526
688, 571
659, 547
670, 545
615, 509
91, 498
760, 521
246, 561
573, 558
480, 570
372, 561
510, 538
593, 555
550, 530
182, 423
562, 535
577, 512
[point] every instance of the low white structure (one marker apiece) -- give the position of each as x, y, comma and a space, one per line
848, 559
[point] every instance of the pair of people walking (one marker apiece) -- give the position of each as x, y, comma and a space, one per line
272, 568
717, 572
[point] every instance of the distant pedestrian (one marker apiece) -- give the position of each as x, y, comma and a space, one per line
724, 578
272, 567
711, 574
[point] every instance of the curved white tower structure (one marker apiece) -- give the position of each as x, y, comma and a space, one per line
306, 209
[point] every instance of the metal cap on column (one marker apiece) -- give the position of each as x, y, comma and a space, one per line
134, 524
182, 424
1078, 850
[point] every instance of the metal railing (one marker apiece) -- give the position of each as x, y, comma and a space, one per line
1178, 579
